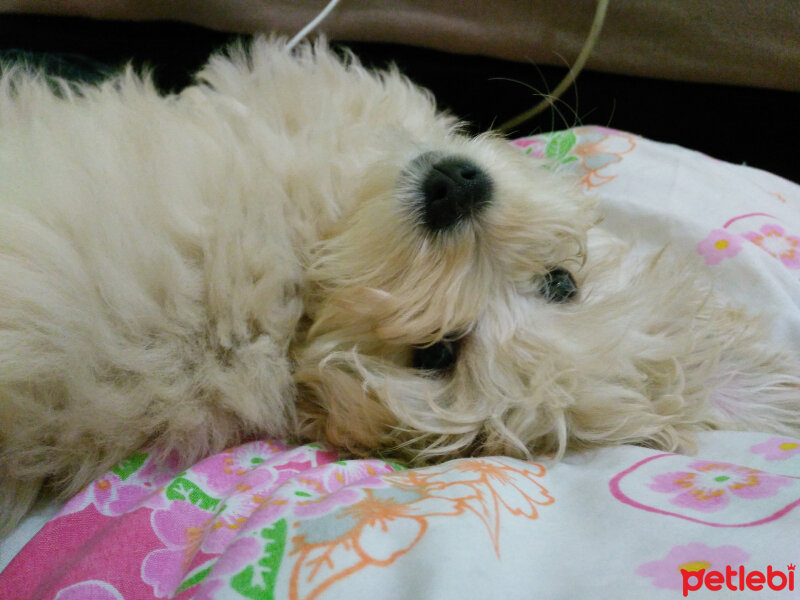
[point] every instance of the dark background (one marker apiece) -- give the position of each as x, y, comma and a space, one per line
754, 126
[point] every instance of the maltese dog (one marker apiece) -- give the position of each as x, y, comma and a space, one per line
296, 247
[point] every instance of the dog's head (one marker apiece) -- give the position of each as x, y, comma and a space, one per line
434, 303
465, 304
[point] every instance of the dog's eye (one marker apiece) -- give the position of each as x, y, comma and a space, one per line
558, 286
439, 357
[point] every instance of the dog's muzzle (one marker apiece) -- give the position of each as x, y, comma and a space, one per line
451, 189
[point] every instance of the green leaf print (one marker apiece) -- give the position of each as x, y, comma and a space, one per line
183, 489
560, 145
130, 465
257, 582
196, 576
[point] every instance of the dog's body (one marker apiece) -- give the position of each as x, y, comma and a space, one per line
297, 247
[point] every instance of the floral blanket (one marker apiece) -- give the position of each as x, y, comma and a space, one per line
268, 520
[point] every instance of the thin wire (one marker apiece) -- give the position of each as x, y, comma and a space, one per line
550, 99
308, 28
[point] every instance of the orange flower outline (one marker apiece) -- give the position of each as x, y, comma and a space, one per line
613, 144
485, 488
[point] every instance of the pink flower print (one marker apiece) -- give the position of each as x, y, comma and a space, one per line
666, 573
237, 556
772, 239
224, 471
531, 146
181, 528
719, 245
90, 590
267, 492
323, 489
258, 492
245, 510
259, 464
710, 486
135, 482
777, 448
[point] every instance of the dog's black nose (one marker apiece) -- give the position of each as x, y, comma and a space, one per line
453, 189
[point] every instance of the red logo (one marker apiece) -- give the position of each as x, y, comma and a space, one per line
738, 580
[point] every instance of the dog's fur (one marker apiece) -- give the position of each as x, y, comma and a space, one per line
249, 258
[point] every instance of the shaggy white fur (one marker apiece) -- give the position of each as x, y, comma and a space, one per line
298, 247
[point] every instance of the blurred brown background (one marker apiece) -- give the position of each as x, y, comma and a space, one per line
719, 77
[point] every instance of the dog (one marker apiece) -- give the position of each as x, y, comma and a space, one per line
298, 247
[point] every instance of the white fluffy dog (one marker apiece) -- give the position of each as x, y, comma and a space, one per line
298, 247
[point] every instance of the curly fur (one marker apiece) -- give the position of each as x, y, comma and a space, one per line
246, 258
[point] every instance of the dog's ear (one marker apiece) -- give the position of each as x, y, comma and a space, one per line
333, 405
